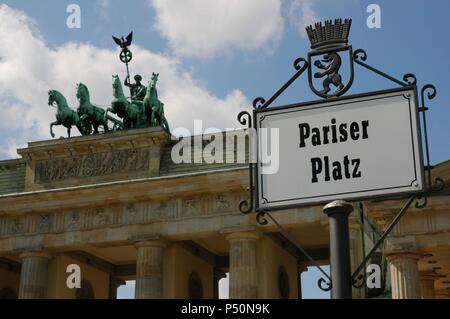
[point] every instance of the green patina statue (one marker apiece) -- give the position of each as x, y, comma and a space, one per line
86, 110
130, 112
143, 109
137, 89
89, 117
64, 115
152, 102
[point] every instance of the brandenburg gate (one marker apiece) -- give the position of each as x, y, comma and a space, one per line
119, 207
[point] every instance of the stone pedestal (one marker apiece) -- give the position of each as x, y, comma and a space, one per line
404, 275
149, 269
243, 277
34, 275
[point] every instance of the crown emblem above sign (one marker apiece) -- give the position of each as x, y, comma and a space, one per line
329, 44
329, 34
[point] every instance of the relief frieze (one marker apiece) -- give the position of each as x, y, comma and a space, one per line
91, 165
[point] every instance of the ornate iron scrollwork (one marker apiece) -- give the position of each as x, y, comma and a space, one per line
431, 92
438, 185
360, 56
300, 64
328, 41
358, 282
324, 284
246, 207
421, 202
258, 102
261, 218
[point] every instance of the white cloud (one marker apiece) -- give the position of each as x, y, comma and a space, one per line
199, 28
301, 15
29, 70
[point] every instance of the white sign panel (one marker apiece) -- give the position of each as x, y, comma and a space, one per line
350, 148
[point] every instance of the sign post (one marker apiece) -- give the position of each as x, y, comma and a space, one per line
338, 212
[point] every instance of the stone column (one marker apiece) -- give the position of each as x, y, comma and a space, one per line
149, 269
404, 275
34, 275
427, 280
243, 279
218, 274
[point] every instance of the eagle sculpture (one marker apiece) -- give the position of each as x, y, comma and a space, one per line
124, 43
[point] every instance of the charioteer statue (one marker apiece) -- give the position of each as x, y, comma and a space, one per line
137, 89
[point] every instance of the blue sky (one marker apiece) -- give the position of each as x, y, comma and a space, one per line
213, 57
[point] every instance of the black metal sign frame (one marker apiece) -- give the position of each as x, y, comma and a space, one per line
328, 41
427, 92
258, 184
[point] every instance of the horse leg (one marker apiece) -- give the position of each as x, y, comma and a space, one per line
105, 122
148, 113
78, 125
166, 125
51, 127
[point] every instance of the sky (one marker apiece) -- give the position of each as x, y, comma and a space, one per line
213, 56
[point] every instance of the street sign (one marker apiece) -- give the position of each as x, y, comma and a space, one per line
354, 147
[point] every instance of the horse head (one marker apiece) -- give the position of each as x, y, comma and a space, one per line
154, 79
56, 97
82, 92
51, 97
117, 87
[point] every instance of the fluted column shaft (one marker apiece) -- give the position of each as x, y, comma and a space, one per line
243, 283
404, 275
149, 270
34, 275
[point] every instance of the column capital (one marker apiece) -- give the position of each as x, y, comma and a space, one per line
35, 254
151, 243
237, 229
430, 275
394, 255
251, 235
396, 244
